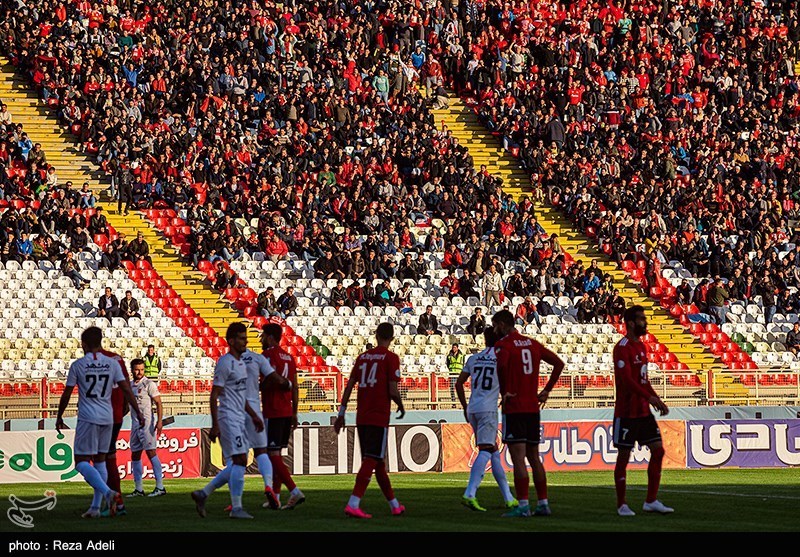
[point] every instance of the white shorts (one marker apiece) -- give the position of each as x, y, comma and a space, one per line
256, 439
92, 439
484, 425
233, 437
144, 439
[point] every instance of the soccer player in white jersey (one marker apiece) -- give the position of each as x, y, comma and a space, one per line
229, 414
259, 370
94, 374
482, 414
148, 400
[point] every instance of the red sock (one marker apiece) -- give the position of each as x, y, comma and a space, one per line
654, 473
363, 477
620, 481
383, 481
541, 487
521, 486
280, 470
113, 473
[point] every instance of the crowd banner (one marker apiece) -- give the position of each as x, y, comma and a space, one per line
411, 448
568, 446
47, 456
743, 443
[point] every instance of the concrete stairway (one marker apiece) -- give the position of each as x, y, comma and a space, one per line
486, 149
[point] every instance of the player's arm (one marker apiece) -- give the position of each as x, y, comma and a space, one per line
216, 390
156, 396
557, 363
257, 421
131, 400
394, 395
295, 401
125, 406
63, 402
338, 424
460, 381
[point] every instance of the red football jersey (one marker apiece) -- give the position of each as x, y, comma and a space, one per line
117, 397
374, 370
277, 403
632, 385
518, 359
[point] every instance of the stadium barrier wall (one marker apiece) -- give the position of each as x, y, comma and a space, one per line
46, 456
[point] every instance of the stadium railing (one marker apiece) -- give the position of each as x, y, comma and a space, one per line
321, 391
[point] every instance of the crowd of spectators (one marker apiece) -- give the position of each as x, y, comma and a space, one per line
666, 128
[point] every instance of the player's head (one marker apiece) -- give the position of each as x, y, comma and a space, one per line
271, 335
137, 368
236, 335
503, 322
92, 339
489, 336
636, 320
384, 334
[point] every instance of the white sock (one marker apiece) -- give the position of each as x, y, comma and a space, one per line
296, 491
543, 502
158, 472
265, 467
136, 465
476, 473
218, 481
499, 474
102, 471
394, 503
354, 501
236, 485
94, 479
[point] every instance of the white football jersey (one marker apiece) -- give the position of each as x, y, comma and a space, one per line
485, 388
144, 391
257, 365
95, 374
231, 375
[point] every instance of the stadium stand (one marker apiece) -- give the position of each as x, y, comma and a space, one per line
656, 135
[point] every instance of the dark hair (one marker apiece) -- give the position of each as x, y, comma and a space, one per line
234, 329
504, 316
489, 336
273, 330
385, 331
149, 346
137, 362
92, 337
630, 313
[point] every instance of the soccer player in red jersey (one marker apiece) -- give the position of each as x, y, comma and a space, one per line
120, 408
376, 372
279, 407
633, 420
518, 361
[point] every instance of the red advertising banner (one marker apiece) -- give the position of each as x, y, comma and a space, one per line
178, 450
568, 446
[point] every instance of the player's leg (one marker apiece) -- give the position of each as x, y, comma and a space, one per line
266, 470
478, 469
499, 474
258, 440
651, 436
382, 477
520, 476
236, 485
278, 432
138, 470
158, 473
372, 448
539, 479
111, 459
623, 441
90, 463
